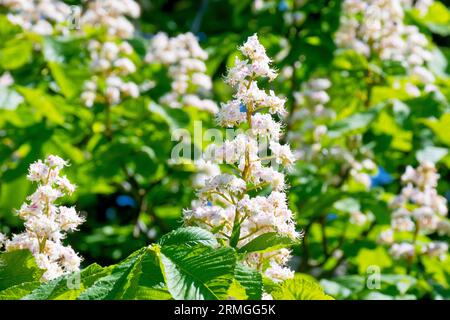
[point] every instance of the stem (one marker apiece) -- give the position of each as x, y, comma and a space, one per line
369, 90
235, 233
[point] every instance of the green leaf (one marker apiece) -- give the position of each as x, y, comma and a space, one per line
350, 60
15, 53
300, 289
251, 280
372, 257
236, 291
43, 104
65, 84
68, 287
437, 19
401, 139
7, 29
197, 273
17, 267
150, 285
189, 236
18, 291
354, 122
115, 285
269, 241
175, 118
440, 127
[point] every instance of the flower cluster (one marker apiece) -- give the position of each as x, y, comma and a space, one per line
46, 223
311, 111
40, 16
110, 63
310, 126
376, 28
185, 60
227, 203
112, 16
418, 210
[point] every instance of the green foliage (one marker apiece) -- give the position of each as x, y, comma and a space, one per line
266, 242
300, 289
133, 195
16, 268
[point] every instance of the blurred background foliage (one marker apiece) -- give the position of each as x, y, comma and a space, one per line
131, 194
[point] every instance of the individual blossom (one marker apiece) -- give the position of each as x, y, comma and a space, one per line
227, 204
185, 62
46, 223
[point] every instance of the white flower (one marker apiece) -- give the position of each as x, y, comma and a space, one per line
111, 15
402, 250
386, 237
224, 198
283, 154
6, 80
45, 222
56, 162
358, 218
278, 273
377, 27
184, 59
69, 219
113, 95
420, 209
125, 65
264, 125
436, 249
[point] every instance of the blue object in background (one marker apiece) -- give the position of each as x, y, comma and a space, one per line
282, 6
243, 108
124, 201
382, 178
331, 216
209, 204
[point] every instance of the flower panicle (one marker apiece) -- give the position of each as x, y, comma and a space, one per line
229, 202
46, 223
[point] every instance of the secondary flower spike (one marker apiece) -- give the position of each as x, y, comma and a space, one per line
229, 204
46, 223
418, 210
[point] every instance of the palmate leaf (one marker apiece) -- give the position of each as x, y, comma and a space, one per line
300, 289
17, 267
197, 273
267, 242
